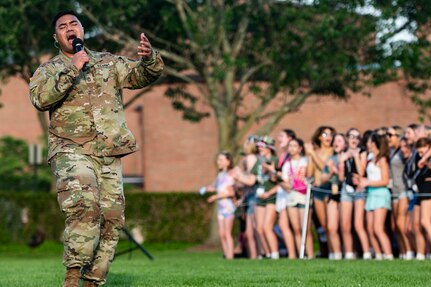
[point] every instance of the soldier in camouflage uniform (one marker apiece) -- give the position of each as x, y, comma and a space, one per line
87, 136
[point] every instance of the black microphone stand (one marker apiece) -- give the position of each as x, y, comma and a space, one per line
137, 246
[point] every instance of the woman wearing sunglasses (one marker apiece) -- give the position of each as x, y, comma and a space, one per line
400, 200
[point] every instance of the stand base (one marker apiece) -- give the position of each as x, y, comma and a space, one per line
137, 246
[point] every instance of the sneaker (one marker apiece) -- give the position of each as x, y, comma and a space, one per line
275, 255
410, 255
388, 257
367, 256
420, 256
379, 256
350, 255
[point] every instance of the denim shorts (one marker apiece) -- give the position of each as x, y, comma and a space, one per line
348, 195
321, 192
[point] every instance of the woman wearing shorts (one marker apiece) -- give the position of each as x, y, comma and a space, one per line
330, 175
423, 181
283, 139
247, 162
293, 175
400, 200
379, 198
351, 168
318, 153
412, 133
224, 197
264, 176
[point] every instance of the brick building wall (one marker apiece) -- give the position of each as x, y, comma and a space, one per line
177, 155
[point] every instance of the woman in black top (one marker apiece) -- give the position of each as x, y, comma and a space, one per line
423, 181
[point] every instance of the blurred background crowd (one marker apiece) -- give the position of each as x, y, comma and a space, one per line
370, 194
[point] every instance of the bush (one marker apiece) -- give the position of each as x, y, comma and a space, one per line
163, 217
16, 174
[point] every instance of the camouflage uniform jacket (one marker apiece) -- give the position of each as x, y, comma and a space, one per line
85, 107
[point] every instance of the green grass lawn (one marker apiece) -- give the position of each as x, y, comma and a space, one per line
174, 265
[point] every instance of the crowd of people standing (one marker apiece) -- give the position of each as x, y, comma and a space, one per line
370, 194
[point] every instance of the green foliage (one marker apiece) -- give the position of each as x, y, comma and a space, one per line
26, 32
304, 48
162, 217
16, 174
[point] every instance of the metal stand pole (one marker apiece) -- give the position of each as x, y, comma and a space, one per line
305, 222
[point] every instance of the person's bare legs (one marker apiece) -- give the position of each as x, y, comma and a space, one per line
260, 223
222, 234
401, 223
419, 234
332, 227
360, 225
379, 230
249, 233
283, 223
346, 225
228, 225
371, 234
271, 238
426, 216
295, 221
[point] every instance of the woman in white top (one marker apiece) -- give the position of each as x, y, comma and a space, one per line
379, 198
293, 175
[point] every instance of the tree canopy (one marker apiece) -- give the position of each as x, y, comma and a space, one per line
251, 61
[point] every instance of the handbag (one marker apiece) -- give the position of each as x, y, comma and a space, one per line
297, 184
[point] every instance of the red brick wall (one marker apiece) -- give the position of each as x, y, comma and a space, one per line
179, 156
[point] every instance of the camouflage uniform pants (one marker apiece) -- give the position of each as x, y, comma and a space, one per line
90, 194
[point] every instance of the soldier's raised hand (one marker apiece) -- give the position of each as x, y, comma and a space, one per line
144, 49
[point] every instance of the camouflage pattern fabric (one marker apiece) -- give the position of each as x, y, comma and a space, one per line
90, 194
86, 109
87, 136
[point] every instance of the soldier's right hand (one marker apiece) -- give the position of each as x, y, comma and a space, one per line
80, 59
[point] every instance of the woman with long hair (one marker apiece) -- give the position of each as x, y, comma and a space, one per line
379, 197
423, 181
225, 193
407, 152
400, 200
293, 175
318, 152
351, 168
248, 160
412, 133
330, 175
283, 139
263, 175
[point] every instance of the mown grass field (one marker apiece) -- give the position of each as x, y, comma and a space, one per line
175, 265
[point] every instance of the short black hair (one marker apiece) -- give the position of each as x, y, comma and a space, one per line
61, 14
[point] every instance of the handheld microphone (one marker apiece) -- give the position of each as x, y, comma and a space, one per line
78, 46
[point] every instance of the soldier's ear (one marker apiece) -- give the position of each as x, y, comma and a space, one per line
55, 37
